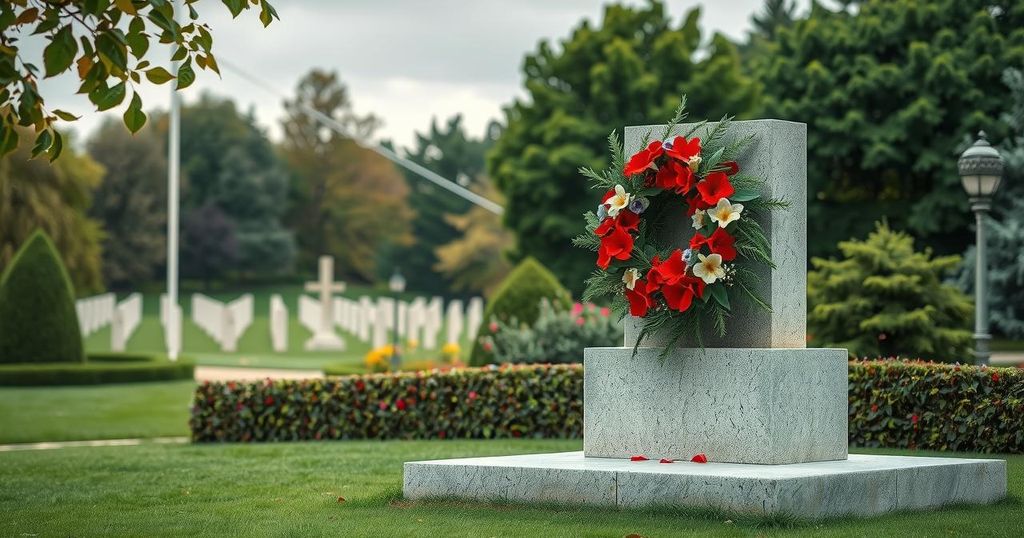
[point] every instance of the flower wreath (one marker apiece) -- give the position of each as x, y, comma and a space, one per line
674, 288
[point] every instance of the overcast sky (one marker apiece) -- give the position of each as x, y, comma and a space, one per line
404, 60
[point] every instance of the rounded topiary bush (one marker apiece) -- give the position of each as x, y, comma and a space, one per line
38, 322
519, 297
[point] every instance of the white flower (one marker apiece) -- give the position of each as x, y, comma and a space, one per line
698, 219
618, 202
709, 268
725, 212
694, 163
630, 277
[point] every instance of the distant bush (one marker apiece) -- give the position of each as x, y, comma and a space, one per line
99, 368
38, 322
883, 299
518, 297
913, 404
473, 403
559, 335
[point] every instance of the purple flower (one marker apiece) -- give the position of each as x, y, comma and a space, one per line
602, 211
639, 205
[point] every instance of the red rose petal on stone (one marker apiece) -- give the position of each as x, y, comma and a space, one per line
638, 457
667, 460
700, 458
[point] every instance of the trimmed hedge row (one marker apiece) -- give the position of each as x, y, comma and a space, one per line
892, 404
99, 368
915, 404
486, 403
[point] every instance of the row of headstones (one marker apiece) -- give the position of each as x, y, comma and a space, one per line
373, 320
224, 322
98, 311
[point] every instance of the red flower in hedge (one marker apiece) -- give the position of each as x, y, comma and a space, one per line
269, 400
360, 385
995, 377
684, 150
715, 187
639, 299
400, 404
472, 395
674, 176
383, 405
913, 419
644, 158
700, 458
874, 408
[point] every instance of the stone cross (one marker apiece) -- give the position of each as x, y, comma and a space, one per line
324, 338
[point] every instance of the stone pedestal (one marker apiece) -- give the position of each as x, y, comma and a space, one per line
766, 406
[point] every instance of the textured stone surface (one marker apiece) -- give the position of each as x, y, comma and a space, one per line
777, 153
860, 485
766, 406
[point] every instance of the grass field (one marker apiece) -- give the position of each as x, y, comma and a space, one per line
158, 409
295, 490
254, 349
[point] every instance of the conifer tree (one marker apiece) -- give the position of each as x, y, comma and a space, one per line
884, 299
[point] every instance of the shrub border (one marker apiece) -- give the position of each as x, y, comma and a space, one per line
98, 369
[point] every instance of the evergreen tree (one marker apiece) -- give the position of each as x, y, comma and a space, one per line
131, 202
475, 261
889, 88
630, 69
453, 154
775, 15
228, 162
344, 199
55, 198
884, 299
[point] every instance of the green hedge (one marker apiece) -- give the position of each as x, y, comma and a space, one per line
99, 368
479, 403
914, 404
892, 404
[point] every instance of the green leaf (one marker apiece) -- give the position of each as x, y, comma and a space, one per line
110, 47
8, 139
59, 54
43, 142
126, 6
66, 116
134, 117
107, 98
744, 196
719, 294
158, 75
234, 6
186, 76
56, 147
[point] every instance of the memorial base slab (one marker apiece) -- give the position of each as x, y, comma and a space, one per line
862, 485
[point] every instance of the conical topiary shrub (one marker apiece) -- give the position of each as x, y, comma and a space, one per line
38, 322
519, 297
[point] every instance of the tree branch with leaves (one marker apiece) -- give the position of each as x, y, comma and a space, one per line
107, 44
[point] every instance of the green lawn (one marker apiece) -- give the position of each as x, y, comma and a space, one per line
254, 346
294, 490
158, 409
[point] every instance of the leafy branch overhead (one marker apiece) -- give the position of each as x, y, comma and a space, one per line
106, 44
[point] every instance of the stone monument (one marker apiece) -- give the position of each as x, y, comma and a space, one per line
769, 413
324, 337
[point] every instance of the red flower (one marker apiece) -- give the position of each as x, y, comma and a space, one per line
441, 435
874, 408
669, 271
731, 168
269, 400
667, 460
715, 187
400, 404
639, 299
674, 176
616, 240
700, 458
493, 326
382, 405
360, 385
643, 158
639, 457
487, 346
679, 296
913, 419
698, 240
472, 395
995, 377
683, 150
722, 243
693, 203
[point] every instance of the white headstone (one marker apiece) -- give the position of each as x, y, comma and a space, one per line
432, 323
278, 324
474, 316
324, 337
454, 322
367, 317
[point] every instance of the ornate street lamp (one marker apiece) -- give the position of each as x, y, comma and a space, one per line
981, 169
397, 285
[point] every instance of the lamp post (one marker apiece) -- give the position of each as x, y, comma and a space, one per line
981, 169
397, 285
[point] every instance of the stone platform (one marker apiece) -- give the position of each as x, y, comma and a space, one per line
859, 486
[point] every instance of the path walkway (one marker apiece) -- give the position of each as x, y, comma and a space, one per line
227, 373
1007, 358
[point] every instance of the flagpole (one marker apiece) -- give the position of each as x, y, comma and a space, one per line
172, 331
